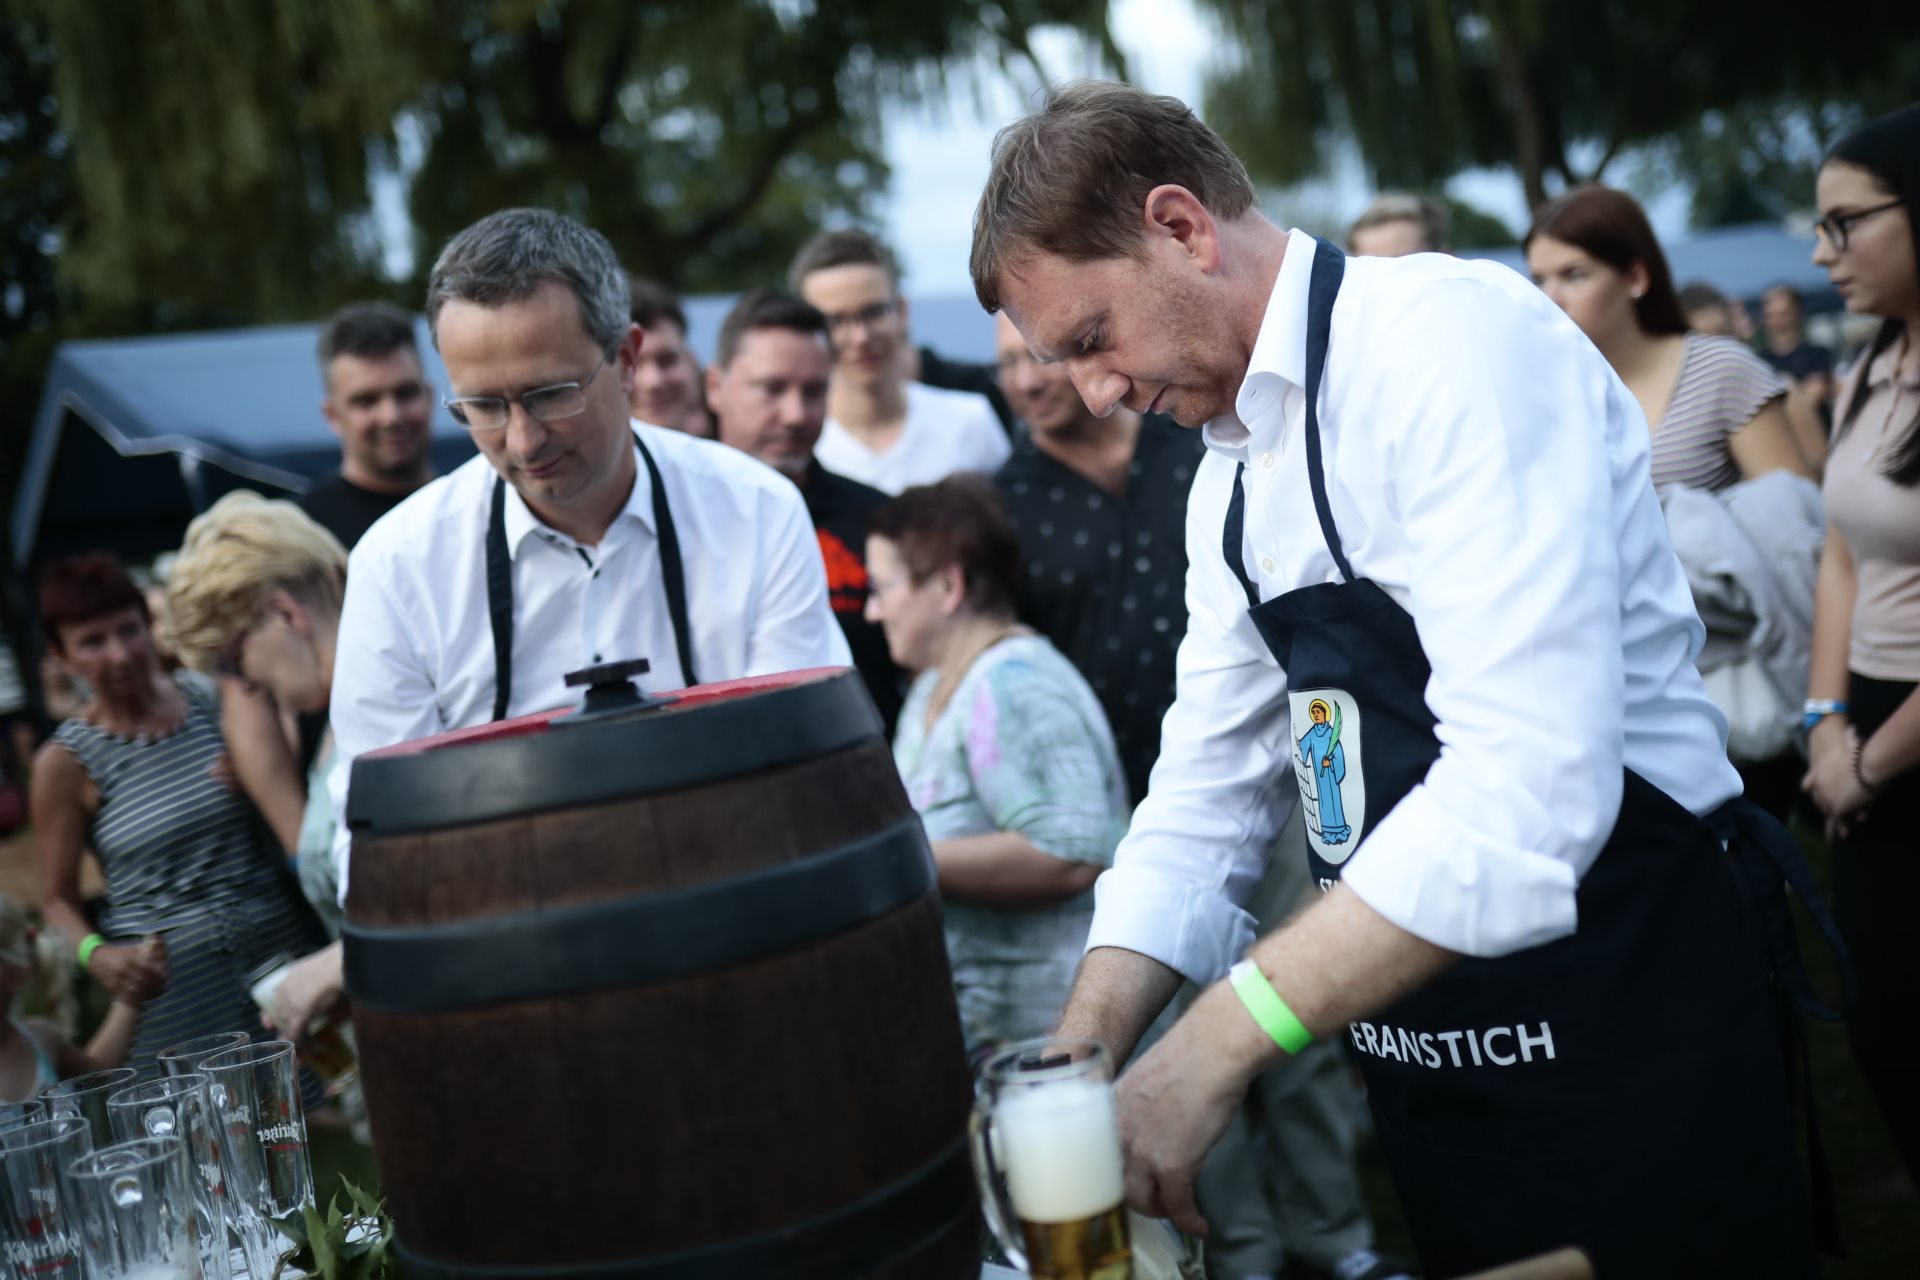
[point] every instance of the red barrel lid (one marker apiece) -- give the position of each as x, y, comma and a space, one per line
541, 721
541, 763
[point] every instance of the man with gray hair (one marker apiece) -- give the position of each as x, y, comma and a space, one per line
1399, 223
579, 537
1434, 607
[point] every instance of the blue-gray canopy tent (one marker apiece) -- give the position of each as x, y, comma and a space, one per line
136, 436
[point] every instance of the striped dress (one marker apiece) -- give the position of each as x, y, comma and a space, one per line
188, 857
1721, 385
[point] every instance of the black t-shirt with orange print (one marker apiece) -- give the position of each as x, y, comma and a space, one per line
840, 509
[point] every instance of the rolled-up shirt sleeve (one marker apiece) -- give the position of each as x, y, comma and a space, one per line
1222, 787
1492, 446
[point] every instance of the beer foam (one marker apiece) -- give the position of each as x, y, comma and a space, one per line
1061, 1149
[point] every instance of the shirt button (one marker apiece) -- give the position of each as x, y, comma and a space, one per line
1266, 460
1266, 564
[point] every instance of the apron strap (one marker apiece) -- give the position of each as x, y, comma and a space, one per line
672, 570
1329, 265
1234, 538
500, 583
1765, 857
500, 599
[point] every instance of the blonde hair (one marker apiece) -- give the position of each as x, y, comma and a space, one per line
47, 960
236, 555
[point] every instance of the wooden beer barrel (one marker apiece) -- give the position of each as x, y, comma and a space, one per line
660, 993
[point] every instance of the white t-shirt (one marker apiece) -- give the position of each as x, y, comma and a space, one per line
946, 431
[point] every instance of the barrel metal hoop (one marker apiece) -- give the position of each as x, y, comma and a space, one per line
640, 938
881, 1228
607, 760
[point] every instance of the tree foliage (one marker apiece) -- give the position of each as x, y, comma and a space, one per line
1428, 88
239, 162
35, 195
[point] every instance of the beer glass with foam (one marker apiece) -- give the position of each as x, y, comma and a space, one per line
1045, 1125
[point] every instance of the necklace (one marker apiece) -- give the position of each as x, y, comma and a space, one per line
944, 689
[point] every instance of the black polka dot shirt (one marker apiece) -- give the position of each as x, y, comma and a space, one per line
1105, 576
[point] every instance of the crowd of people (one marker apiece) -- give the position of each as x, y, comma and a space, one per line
1089, 703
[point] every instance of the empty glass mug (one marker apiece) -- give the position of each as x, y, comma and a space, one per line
177, 1106
38, 1232
135, 1207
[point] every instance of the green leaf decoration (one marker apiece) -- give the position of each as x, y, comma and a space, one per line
321, 1245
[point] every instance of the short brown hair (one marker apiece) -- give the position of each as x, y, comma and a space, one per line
1788, 292
80, 589
842, 247
1436, 224
1611, 226
1072, 178
365, 329
958, 521
760, 309
654, 302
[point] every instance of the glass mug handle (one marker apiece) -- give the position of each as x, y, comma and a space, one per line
986, 1171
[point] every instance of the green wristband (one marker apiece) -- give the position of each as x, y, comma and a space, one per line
1267, 1008
88, 945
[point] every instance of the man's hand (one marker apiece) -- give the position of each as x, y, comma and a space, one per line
1174, 1105
313, 988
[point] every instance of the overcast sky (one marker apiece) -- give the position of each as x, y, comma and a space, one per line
939, 153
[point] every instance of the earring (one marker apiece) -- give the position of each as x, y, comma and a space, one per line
1635, 294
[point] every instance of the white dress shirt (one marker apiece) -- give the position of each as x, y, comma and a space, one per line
415, 653
946, 431
1485, 467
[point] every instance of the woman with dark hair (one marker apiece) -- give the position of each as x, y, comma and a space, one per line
1005, 753
1718, 414
1866, 635
1717, 411
140, 775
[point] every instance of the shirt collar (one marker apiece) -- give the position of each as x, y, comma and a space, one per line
1279, 357
520, 520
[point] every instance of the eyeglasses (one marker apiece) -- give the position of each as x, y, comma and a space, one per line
866, 317
1838, 227
546, 404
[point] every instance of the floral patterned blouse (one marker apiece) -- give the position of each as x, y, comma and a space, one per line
1022, 746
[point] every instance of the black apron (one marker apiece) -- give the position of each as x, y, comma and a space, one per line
1624, 1089
500, 583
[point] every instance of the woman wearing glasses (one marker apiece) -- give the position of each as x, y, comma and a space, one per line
140, 775
1866, 640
